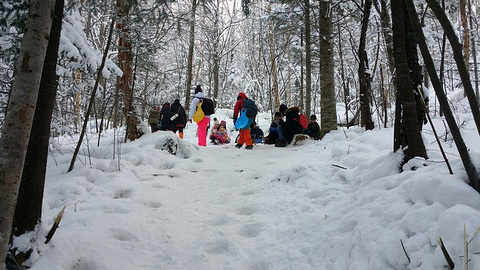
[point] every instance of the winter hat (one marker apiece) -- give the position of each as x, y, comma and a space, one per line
158, 108
215, 121
283, 108
223, 124
313, 117
292, 109
176, 101
278, 114
241, 95
198, 89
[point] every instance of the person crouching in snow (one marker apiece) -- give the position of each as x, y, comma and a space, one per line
202, 125
273, 134
244, 136
256, 133
219, 134
292, 126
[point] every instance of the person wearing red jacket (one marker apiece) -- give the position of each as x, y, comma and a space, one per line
244, 137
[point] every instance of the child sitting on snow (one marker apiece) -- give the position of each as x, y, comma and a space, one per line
256, 133
219, 134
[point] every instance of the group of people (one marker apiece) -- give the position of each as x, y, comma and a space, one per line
169, 117
282, 132
285, 125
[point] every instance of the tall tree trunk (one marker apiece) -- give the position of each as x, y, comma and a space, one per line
273, 60
442, 98
409, 137
28, 211
346, 91
21, 109
474, 51
458, 56
191, 45
387, 34
416, 75
327, 81
466, 33
308, 59
366, 115
125, 58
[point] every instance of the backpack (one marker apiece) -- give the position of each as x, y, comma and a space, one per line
252, 109
207, 106
302, 119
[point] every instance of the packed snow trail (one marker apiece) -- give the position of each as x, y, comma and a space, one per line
268, 208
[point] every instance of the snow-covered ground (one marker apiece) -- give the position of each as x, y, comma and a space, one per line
339, 203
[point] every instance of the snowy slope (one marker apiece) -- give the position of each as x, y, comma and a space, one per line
270, 208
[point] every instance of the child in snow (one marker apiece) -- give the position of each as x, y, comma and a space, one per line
256, 133
273, 134
244, 136
313, 127
219, 134
292, 126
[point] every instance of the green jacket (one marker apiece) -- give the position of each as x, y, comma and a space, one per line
154, 117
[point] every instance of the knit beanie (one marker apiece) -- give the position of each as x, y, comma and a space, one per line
198, 88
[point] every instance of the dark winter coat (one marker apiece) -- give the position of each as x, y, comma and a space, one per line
165, 117
292, 125
256, 133
314, 129
181, 120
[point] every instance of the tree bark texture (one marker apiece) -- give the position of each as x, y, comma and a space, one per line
21, 109
409, 136
30, 196
276, 97
125, 57
442, 99
308, 59
458, 56
327, 84
416, 73
191, 46
365, 93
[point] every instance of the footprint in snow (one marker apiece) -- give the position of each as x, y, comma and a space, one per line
250, 230
123, 193
220, 246
247, 193
85, 264
123, 235
246, 211
153, 204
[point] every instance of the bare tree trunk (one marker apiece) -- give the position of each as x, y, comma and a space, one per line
308, 59
409, 138
125, 58
457, 55
191, 45
28, 211
474, 51
466, 33
327, 81
365, 115
346, 91
442, 99
273, 60
92, 97
20, 112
